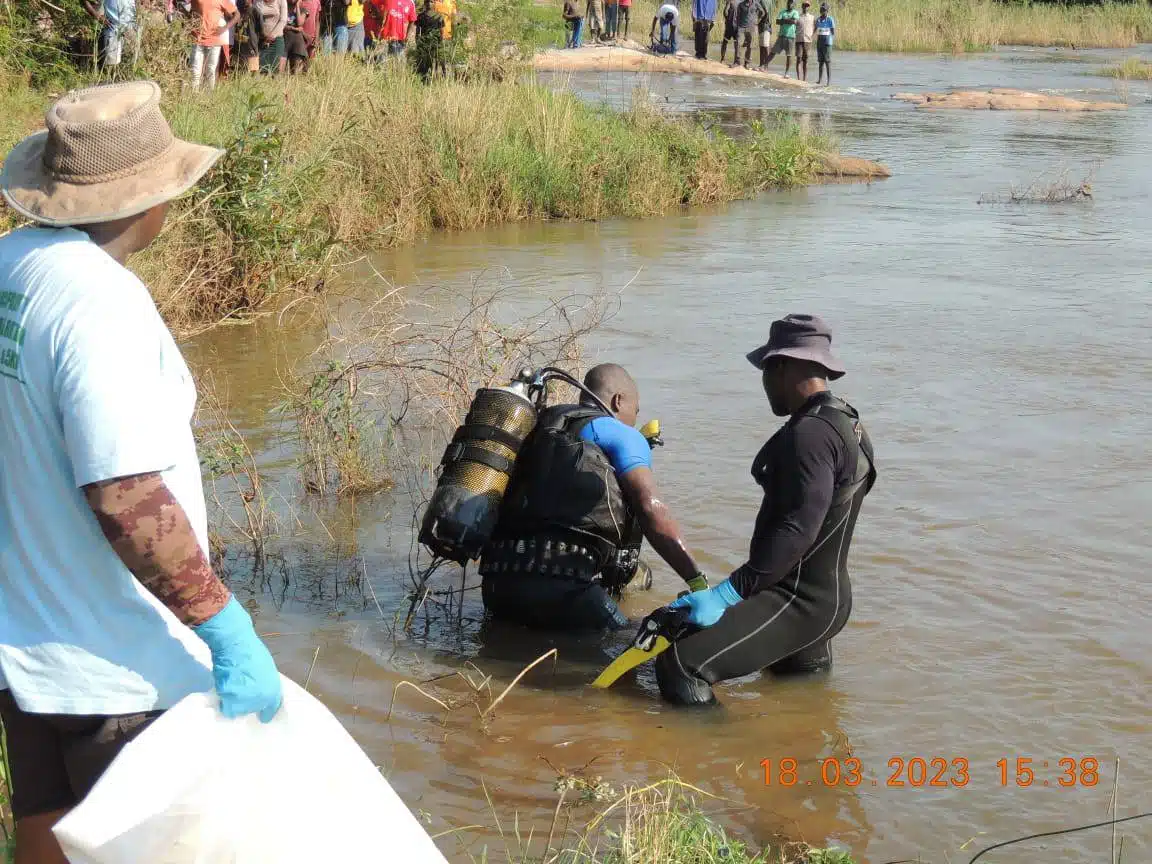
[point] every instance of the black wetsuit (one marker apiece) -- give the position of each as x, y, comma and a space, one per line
815, 472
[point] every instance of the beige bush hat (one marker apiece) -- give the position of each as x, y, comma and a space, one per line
107, 154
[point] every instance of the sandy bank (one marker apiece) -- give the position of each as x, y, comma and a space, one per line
632, 56
1004, 99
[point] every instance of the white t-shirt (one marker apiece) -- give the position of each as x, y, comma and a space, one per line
665, 9
92, 387
805, 27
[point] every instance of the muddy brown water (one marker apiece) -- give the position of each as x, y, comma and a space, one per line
1000, 356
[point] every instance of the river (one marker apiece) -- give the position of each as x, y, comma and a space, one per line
1000, 357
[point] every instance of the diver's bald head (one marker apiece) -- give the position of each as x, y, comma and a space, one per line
616, 389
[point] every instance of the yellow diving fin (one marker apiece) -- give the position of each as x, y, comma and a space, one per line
630, 659
654, 636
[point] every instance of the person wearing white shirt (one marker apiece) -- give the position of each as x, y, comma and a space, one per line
668, 20
111, 611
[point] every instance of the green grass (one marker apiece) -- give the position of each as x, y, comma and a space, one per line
354, 157
660, 822
1131, 69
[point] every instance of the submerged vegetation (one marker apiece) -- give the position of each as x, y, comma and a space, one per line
1058, 188
1131, 69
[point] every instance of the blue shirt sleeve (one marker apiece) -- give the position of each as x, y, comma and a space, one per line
624, 446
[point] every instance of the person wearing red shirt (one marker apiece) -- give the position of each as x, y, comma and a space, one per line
624, 16
310, 10
399, 22
374, 14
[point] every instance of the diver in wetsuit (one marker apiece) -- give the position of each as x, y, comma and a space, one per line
580, 503
780, 610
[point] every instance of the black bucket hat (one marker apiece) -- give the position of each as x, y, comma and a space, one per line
803, 337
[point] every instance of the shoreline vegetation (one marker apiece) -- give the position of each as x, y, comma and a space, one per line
353, 157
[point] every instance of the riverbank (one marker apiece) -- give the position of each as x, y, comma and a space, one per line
627, 55
353, 157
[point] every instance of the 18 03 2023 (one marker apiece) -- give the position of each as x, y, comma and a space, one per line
849, 772
932, 772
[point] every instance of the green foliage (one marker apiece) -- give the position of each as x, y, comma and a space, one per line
500, 33
777, 152
50, 44
252, 211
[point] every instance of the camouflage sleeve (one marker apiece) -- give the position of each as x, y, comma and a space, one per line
150, 532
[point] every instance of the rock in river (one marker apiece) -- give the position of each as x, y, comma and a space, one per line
1004, 99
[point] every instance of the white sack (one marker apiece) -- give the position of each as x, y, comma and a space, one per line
198, 788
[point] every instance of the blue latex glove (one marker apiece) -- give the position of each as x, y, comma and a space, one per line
706, 607
244, 672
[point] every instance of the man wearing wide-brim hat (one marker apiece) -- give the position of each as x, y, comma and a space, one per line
780, 610
111, 610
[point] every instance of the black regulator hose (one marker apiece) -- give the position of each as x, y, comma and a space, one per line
548, 373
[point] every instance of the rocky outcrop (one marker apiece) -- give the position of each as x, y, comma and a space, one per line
632, 56
1004, 99
850, 167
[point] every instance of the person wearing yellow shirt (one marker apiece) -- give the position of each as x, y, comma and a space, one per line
446, 9
355, 26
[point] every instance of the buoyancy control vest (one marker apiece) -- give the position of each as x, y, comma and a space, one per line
825, 563
564, 514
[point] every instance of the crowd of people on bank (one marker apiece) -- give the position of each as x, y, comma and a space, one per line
274, 36
747, 24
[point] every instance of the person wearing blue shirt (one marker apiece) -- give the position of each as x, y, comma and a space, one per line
825, 33
703, 18
581, 500
119, 26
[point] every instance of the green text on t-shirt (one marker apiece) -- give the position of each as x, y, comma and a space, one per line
11, 334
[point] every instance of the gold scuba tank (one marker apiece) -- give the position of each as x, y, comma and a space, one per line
475, 470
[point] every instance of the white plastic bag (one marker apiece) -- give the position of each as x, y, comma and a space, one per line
198, 788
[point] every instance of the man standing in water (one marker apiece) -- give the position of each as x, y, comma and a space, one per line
825, 32
780, 610
111, 610
581, 500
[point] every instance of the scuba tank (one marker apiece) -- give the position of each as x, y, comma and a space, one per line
475, 470
478, 463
